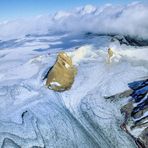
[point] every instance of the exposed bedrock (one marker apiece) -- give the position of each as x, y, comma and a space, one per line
127, 40
62, 74
136, 111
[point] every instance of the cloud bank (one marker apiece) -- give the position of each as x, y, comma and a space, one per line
131, 19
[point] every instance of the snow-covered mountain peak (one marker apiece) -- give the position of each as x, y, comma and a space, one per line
88, 9
61, 14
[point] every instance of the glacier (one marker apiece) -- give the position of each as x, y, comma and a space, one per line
33, 116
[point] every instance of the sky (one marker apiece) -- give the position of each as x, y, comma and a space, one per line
13, 9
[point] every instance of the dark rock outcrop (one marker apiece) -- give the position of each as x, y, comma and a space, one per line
136, 111
123, 39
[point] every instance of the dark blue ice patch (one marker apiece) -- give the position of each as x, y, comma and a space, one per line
140, 90
138, 84
139, 94
41, 49
143, 105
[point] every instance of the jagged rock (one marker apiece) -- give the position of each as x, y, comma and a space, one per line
62, 74
136, 118
129, 40
127, 109
140, 113
144, 137
110, 54
123, 39
115, 97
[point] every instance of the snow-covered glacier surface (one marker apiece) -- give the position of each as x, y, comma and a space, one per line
32, 115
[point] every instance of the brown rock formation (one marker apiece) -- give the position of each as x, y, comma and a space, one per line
62, 74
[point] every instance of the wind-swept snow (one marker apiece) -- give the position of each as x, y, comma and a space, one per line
32, 115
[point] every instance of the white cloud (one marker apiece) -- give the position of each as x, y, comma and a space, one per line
21, 27
131, 20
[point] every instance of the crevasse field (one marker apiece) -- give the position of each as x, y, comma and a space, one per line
33, 116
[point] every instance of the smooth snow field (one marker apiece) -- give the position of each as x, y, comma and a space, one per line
32, 115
